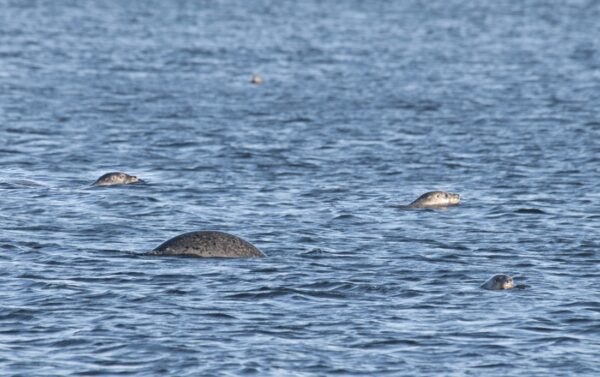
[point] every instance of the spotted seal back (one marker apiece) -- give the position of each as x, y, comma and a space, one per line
208, 244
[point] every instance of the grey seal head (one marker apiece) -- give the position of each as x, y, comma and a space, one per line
208, 244
435, 199
498, 282
115, 178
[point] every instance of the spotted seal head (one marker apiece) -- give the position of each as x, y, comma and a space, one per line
498, 282
435, 199
208, 244
115, 178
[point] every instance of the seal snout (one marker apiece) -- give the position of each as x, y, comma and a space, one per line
455, 198
508, 284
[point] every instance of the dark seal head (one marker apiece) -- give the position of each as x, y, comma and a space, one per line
115, 178
208, 244
498, 282
436, 199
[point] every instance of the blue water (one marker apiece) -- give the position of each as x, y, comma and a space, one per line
364, 107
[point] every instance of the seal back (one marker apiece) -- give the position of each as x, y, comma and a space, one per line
208, 244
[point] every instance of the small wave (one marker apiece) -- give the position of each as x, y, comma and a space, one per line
218, 315
316, 252
264, 293
378, 344
298, 120
530, 211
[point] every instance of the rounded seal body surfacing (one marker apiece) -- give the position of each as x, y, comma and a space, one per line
208, 244
436, 199
115, 178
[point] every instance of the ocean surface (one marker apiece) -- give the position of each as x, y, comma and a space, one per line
364, 106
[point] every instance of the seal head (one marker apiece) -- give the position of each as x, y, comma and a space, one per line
115, 178
208, 244
498, 282
436, 199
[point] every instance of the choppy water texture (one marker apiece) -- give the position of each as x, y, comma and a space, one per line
363, 107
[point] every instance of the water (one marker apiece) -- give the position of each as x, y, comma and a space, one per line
363, 107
